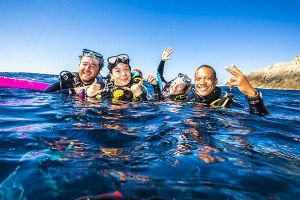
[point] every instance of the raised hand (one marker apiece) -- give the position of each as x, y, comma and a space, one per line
166, 54
94, 89
240, 80
151, 79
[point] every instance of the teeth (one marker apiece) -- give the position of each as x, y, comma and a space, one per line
203, 88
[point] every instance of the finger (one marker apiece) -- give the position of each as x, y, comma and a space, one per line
126, 88
95, 81
231, 71
151, 79
233, 82
237, 69
230, 84
227, 84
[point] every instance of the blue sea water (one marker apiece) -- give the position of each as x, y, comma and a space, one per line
58, 147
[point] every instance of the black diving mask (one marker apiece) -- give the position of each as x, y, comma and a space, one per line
122, 58
114, 60
185, 78
87, 52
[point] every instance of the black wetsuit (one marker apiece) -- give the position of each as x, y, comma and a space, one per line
256, 103
118, 93
67, 81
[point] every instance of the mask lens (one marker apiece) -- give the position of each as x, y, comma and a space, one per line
112, 60
92, 53
185, 78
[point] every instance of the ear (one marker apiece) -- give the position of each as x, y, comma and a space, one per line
216, 81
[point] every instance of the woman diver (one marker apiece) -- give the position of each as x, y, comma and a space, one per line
176, 89
122, 84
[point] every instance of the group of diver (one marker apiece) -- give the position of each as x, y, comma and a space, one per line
126, 84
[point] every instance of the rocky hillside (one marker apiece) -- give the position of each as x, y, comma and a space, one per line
285, 75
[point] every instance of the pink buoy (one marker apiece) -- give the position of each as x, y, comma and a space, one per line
22, 84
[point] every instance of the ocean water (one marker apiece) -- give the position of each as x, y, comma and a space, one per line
57, 147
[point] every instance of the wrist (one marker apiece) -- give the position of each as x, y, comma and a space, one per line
251, 92
257, 98
138, 93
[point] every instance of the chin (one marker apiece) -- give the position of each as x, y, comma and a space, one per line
124, 83
203, 93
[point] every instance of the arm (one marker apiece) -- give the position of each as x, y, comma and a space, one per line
254, 98
65, 84
53, 88
160, 70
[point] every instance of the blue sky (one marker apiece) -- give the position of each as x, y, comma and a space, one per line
46, 36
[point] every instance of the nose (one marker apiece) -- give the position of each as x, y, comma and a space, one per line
202, 81
123, 73
88, 66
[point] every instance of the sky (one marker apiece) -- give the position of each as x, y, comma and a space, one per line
47, 36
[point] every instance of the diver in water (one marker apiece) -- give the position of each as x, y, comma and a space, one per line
122, 84
90, 66
207, 93
176, 89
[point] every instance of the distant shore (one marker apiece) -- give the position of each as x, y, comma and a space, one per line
283, 75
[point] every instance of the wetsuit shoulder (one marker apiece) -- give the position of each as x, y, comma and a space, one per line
67, 81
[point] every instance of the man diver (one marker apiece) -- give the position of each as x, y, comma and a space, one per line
122, 84
89, 67
176, 89
208, 93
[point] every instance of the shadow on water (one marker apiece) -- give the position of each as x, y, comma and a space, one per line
57, 147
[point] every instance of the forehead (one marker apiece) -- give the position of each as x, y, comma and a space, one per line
121, 66
204, 72
178, 81
89, 59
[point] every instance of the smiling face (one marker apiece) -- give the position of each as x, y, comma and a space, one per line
205, 81
177, 86
88, 69
121, 74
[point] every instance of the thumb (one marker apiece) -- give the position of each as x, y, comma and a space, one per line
96, 81
228, 84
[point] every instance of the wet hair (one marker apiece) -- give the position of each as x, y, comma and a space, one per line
101, 61
209, 67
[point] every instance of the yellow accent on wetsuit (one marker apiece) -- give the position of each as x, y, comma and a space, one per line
138, 80
224, 104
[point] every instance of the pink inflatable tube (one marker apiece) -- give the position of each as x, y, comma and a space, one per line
21, 83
